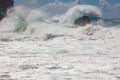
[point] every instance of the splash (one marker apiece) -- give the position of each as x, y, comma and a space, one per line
19, 18
37, 22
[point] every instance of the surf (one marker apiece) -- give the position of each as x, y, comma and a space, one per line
35, 21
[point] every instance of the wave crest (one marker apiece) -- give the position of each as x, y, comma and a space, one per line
79, 11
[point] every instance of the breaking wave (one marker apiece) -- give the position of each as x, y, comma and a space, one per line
81, 10
23, 20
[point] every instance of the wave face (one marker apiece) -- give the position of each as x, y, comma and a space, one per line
81, 10
23, 20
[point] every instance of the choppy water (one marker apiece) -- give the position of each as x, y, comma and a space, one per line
62, 58
36, 46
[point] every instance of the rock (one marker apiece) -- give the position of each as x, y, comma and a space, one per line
82, 21
4, 6
1, 17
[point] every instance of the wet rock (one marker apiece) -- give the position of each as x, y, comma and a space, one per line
4, 6
82, 21
50, 36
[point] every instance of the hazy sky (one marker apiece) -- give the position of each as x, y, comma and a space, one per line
110, 8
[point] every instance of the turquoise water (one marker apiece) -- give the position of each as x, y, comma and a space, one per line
111, 22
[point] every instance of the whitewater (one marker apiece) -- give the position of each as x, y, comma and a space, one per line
36, 44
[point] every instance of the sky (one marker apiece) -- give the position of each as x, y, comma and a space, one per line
110, 8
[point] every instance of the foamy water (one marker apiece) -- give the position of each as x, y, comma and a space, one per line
37, 46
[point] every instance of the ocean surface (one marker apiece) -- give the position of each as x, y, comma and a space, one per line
44, 44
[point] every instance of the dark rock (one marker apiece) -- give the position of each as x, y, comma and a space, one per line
1, 17
4, 6
82, 21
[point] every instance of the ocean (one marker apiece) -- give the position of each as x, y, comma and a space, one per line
36, 44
